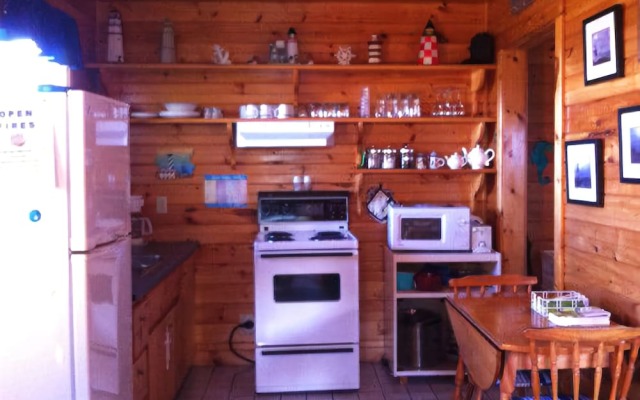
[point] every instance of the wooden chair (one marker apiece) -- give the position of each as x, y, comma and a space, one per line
584, 347
483, 285
502, 283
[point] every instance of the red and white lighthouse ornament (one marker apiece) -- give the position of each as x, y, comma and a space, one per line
428, 54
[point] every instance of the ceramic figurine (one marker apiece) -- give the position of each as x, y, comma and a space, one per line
115, 52
220, 55
344, 55
428, 54
168, 47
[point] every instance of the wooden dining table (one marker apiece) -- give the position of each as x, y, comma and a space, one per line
488, 331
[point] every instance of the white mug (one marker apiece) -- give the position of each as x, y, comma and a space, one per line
267, 110
436, 162
249, 111
283, 111
297, 183
212, 112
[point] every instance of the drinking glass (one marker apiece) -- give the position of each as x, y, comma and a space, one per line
458, 107
381, 108
447, 107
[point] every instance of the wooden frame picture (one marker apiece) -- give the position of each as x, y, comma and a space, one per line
584, 172
629, 144
603, 46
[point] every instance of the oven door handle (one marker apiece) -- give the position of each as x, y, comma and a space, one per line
291, 255
306, 351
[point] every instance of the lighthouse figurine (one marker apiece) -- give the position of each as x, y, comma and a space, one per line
115, 52
428, 54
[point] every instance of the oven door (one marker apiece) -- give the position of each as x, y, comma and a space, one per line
306, 297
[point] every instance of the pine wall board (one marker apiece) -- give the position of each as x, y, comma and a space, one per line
540, 210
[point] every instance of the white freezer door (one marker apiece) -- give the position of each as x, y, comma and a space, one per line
99, 178
101, 292
35, 312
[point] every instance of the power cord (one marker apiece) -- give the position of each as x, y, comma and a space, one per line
245, 325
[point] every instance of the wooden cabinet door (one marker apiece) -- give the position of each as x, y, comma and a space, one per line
162, 358
140, 328
141, 378
185, 321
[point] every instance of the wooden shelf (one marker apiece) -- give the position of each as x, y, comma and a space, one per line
298, 67
350, 120
440, 171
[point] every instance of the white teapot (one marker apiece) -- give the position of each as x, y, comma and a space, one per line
456, 161
479, 158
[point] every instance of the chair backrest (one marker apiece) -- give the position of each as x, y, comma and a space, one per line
484, 282
584, 347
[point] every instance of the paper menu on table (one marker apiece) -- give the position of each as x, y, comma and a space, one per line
580, 316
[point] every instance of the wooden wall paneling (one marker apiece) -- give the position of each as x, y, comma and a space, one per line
515, 30
592, 274
224, 268
558, 161
540, 128
148, 90
512, 72
246, 31
598, 255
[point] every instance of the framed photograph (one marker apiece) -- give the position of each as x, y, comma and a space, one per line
629, 144
602, 41
584, 172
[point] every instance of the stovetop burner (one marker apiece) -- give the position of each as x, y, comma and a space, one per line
328, 235
278, 236
283, 239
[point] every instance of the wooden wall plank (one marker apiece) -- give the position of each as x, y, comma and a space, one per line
540, 130
512, 70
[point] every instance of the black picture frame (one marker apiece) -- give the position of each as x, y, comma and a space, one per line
629, 144
603, 46
584, 180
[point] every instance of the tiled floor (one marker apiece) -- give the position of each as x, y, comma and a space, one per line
238, 383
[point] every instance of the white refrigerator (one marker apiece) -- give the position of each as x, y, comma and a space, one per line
65, 247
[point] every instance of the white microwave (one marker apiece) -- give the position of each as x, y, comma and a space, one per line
426, 227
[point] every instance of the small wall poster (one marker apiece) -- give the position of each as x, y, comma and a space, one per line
225, 191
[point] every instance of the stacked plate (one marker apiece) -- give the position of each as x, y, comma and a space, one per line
180, 110
144, 114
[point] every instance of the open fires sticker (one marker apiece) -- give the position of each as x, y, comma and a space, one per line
16, 126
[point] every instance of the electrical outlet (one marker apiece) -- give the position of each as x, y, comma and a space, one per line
161, 204
244, 318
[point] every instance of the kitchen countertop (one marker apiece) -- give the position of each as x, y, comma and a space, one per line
166, 256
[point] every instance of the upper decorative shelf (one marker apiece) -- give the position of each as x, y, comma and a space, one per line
297, 67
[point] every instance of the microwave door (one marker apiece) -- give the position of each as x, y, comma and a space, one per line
421, 229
